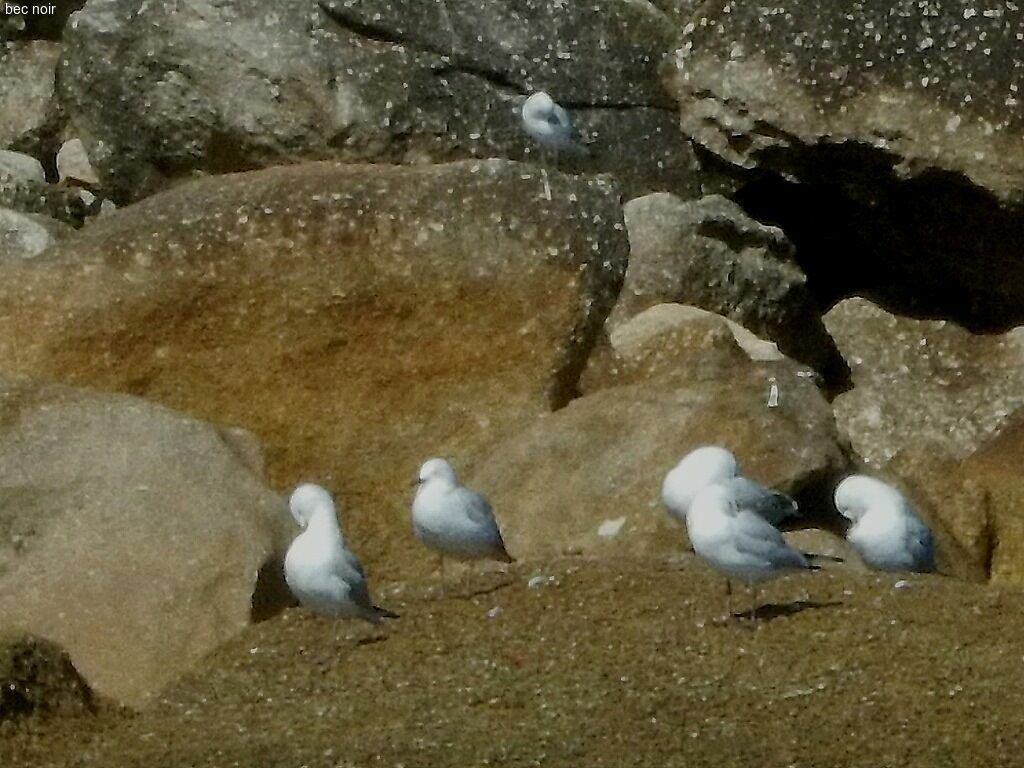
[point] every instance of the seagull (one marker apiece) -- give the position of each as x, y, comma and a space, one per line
886, 532
547, 123
453, 520
323, 574
738, 543
710, 465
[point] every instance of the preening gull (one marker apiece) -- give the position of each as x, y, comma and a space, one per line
886, 532
323, 574
737, 542
453, 520
710, 465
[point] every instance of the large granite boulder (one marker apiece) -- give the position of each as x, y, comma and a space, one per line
588, 477
887, 140
923, 382
130, 534
709, 253
229, 86
358, 319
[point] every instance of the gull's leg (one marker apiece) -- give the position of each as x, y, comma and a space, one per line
440, 568
544, 173
753, 603
728, 599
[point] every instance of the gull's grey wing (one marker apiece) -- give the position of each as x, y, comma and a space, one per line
477, 508
756, 537
558, 116
348, 573
753, 497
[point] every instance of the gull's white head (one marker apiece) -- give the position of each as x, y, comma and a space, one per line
858, 494
437, 469
713, 500
538, 103
695, 471
306, 499
709, 461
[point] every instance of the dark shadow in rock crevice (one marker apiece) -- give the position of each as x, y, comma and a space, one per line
271, 594
932, 246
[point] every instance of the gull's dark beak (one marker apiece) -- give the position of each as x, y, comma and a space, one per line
415, 482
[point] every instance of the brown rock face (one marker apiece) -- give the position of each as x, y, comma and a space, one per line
357, 319
923, 381
131, 534
978, 504
589, 476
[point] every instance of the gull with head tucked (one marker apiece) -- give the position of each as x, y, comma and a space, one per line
453, 520
323, 574
737, 542
712, 465
886, 532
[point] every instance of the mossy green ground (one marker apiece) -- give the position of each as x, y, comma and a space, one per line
613, 663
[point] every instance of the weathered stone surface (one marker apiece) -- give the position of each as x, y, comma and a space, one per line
603, 457
708, 253
936, 87
38, 678
131, 534
18, 170
26, 235
243, 84
358, 319
28, 112
923, 381
883, 138
73, 164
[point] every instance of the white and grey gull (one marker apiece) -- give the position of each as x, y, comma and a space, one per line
320, 570
886, 532
453, 520
738, 542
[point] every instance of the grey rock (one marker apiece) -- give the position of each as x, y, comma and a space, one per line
28, 109
926, 384
26, 235
103, 493
887, 139
18, 170
708, 253
752, 89
73, 164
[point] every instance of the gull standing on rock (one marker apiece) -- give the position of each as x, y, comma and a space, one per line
323, 574
453, 520
710, 465
739, 543
547, 123
886, 532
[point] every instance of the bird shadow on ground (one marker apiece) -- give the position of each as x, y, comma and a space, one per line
770, 611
